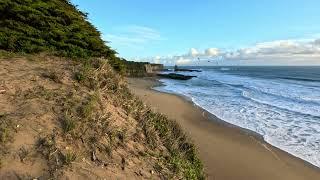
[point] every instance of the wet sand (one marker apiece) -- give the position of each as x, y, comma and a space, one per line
227, 152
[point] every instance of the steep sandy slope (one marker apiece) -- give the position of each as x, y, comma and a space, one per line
67, 120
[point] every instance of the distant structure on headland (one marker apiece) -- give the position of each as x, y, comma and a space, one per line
141, 69
153, 68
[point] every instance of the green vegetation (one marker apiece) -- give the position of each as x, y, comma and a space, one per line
52, 75
23, 153
88, 107
68, 124
5, 131
158, 130
56, 27
4, 134
183, 157
99, 117
69, 157
34, 26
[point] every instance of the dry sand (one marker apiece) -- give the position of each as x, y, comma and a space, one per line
228, 152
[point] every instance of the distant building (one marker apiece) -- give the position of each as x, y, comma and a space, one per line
153, 68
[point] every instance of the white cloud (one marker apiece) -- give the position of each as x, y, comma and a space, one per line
182, 61
276, 49
212, 52
157, 60
194, 56
280, 52
193, 52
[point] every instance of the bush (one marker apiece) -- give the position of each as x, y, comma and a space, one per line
54, 26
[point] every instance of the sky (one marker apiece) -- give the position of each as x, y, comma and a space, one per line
204, 32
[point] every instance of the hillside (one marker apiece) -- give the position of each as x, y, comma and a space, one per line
65, 109
56, 27
62, 119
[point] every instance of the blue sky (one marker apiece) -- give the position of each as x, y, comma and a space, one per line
169, 31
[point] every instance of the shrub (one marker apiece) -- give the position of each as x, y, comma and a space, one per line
55, 26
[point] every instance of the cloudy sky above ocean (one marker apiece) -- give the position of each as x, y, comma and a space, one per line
248, 32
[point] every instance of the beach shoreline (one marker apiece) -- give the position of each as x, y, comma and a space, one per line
227, 151
155, 82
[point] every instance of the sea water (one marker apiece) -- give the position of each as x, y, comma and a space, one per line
280, 103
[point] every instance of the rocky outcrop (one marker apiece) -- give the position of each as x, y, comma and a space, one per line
186, 70
176, 76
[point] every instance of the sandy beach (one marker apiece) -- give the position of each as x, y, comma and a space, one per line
228, 152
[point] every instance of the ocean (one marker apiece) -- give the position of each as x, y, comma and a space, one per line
280, 103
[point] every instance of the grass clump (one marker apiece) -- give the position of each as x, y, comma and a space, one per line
183, 157
23, 153
52, 75
69, 157
6, 130
46, 145
7, 54
121, 135
4, 134
159, 130
79, 76
68, 124
88, 107
36, 92
82, 73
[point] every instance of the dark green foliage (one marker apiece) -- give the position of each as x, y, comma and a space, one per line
55, 26
118, 64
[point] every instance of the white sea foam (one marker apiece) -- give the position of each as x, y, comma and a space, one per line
286, 114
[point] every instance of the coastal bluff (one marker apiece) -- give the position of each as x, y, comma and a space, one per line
141, 69
153, 68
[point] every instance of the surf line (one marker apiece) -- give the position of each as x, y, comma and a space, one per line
267, 148
260, 143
